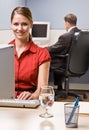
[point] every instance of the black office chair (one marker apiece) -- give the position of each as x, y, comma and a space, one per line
77, 61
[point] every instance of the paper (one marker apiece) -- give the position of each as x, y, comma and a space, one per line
84, 107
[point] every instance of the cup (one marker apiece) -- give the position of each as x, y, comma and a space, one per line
71, 113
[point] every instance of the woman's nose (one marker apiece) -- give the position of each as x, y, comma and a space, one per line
20, 27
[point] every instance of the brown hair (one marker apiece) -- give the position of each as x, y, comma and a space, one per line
71, 18
25, 11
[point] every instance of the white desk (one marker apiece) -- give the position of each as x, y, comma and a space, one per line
28, 119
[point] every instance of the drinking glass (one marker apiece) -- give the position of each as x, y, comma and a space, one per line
46, 98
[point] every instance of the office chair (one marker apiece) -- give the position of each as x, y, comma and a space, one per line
77, 60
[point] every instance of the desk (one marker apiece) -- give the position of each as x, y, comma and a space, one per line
28, 119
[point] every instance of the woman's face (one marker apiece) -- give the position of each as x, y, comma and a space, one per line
21, 27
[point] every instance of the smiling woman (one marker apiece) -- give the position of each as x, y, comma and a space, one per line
21, 22
32, 63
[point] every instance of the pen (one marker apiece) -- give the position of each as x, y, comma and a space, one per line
73, 110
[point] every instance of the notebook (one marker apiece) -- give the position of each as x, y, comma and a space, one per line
7, 81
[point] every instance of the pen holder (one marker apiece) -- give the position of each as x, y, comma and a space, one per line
71, 115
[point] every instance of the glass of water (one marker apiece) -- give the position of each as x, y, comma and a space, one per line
46, 98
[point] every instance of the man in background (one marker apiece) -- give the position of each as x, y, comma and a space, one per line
61, 47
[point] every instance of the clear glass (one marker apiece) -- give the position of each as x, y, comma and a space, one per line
46, 98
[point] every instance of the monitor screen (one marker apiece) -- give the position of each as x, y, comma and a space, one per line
40, 31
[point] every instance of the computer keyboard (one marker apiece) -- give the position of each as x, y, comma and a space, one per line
19, 103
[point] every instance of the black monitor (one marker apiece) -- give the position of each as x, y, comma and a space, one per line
40, 31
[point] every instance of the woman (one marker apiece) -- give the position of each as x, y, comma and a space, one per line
32, 63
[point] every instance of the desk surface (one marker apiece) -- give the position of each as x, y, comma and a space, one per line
28, 119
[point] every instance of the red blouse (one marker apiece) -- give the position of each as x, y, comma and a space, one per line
27, 66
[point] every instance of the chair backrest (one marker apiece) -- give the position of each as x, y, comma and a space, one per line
79, 53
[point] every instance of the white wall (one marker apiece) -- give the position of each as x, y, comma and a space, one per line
6, 36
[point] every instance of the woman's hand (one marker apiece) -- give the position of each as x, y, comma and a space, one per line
28, 96
25, 95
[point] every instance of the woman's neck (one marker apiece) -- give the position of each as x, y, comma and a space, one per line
20, 46
20, 43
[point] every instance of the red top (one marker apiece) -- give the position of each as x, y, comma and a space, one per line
27, 65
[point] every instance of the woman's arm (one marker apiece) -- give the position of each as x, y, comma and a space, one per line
43, 77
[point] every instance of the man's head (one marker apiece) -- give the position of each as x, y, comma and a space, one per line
70, 21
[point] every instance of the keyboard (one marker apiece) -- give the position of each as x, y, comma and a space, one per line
19, 103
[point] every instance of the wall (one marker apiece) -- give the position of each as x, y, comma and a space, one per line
55, 10
6, 36
48, 10
6, 7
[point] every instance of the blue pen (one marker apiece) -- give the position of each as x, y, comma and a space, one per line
73, 110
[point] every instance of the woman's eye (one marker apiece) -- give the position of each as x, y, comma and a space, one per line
24, 24
15, 24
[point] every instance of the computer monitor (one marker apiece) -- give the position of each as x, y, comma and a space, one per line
40, 31
7, 81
